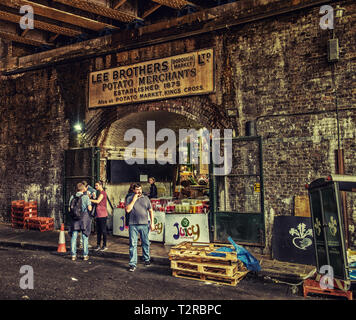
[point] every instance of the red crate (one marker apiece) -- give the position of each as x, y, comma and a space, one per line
41, 220
23, 203
313, 286
23, 215
18, 225
41, 227
18, 203
24, 209
41, 223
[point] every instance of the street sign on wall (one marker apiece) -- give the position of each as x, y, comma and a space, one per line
186, 74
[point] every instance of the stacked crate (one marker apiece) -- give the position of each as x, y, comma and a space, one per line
202, 261
24, 216
41, 223
21, 211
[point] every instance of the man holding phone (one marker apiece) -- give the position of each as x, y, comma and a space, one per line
139, 206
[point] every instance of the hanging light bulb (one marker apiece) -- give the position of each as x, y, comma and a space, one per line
78, 127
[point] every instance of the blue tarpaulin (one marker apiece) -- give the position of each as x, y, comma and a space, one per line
250, 262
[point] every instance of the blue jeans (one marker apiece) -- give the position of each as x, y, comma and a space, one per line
134, 231
73, 243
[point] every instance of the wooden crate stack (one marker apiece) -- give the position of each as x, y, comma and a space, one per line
24, 215
21, 211
192, 261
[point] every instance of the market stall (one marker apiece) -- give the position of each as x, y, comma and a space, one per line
181, 216
175, 220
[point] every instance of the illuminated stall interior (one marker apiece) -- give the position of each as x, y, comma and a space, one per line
169, 177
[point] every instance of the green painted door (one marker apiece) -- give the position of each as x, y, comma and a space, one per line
237, 208
80, 164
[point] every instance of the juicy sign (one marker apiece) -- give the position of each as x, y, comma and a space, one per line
184, 231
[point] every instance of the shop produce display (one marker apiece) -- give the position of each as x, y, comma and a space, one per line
168, 205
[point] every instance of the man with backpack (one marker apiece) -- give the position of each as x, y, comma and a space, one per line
79, 208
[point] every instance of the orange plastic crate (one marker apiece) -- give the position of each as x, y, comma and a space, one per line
23, 215
41, 227
40, 220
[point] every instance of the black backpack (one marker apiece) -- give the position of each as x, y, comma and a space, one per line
76, 211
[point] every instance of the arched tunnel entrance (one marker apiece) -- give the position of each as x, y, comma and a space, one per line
148, 124
233, 200
112, 145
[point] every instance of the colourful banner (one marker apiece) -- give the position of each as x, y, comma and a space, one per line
186, 227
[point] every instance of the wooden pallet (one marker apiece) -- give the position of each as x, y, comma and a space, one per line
208, 268
231, 281
199, 252
299, 271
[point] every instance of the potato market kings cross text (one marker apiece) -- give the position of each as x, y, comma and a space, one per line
181, 75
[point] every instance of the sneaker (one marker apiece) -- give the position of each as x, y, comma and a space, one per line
132, 268
97, 248
85, 258
147, 263
104, 249
74, 258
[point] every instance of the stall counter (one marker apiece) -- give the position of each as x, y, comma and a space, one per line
119, 228
170, 228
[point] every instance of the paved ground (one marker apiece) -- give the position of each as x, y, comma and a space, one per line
119, 248
57, 277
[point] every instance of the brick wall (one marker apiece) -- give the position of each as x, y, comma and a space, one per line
273, 71
32, 139
280, 78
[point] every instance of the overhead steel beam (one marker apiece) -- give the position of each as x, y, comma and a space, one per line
59, 15
7, 16
121, 46
175, 4
151, 10
119, 4
16, 38
100, 10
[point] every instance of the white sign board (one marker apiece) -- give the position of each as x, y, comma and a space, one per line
119, 228
186, 227
159, 222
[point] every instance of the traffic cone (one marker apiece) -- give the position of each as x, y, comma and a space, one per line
62, 240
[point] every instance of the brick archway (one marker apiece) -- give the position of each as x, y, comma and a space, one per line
197, 109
